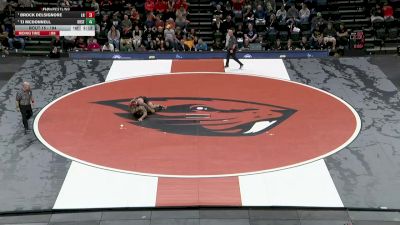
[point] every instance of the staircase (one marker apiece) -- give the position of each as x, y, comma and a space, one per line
201, 19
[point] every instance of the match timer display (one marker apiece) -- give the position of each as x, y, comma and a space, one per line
54, 22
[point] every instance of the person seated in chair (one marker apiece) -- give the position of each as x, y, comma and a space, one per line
250, 36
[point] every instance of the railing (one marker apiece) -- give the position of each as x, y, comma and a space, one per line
199, 55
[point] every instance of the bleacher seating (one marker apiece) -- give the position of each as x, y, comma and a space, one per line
380, 36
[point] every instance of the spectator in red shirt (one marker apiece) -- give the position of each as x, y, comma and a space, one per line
237, 6
135, 16
94, 46
180, 3
149, 5
160, 6
388, 12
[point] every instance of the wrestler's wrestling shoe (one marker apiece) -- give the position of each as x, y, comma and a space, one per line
161, 107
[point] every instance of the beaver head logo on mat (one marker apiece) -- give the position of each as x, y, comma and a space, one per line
209, 116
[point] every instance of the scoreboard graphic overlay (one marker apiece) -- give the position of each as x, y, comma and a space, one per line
54, 22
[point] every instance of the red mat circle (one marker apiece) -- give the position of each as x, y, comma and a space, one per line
76, 127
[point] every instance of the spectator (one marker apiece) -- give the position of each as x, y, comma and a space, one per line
281, 14
292, 15
181, 3
149, 20
316, 34
342, 35
376, 13
181, 12
237, 6
56, 47
148, 37
149, 5
228, 23
170, 22
126, 44
270, 6
160, 6
260, 15
250, 36
105, 26
115, 21
80, 44
329, 35
179, 34
158, 38
304, 13
107, 47
135, 16
158, 22
273, 23
248, 15
181, 22
278, 45
188, 43
56, 43
201, 45
94, 46
137, 37
217, 25
126, 37
95, 6
229, 11
304, 44
387, 12
12, 39
126, 24
317, 21
170, 10
170, 38
113, 37
218, 12
192, 33
239, 36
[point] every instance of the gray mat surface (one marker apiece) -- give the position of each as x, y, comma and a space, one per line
367, 172
31, 175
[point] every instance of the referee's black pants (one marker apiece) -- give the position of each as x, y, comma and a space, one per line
232, 54
26, 112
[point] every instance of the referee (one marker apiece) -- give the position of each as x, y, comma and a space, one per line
23, 100
231, 49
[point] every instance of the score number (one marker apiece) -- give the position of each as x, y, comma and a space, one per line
90, 14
